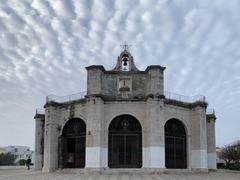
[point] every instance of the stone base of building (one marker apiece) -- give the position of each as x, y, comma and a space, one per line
146, 171
212, 170
48, 170
113, 171
200, 170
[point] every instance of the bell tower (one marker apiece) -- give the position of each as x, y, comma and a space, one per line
125, 62
125, 80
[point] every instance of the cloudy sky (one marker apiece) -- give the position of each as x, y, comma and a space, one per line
45, 46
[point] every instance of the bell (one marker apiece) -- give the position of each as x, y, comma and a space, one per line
125, 61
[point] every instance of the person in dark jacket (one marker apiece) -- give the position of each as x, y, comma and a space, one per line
28, 162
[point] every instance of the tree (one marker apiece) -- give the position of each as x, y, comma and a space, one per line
237, 153
230, 154
7, 159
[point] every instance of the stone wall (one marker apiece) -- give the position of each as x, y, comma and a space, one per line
211, 144
39, 141
152, 114
142, 96
143, 83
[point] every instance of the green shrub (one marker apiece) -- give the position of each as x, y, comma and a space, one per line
7, 159
22, 162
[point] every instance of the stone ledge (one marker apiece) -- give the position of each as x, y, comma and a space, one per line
96, 67
186, 104
155, 67
211, 117
65, 104
40, 116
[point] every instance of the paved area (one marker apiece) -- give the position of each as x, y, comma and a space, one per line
23, 174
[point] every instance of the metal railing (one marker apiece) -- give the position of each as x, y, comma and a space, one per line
182, 98
68, 98
168, 95
40, 111
210, 111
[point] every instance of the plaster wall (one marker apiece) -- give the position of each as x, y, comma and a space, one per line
152, 115
51, 133
39, 142
211, 144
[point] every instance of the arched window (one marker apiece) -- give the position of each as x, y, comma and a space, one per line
72, 144
125, 142
175, 145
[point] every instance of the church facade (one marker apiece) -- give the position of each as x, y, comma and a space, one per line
125, 121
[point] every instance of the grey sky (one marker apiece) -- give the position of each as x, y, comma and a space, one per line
46, 45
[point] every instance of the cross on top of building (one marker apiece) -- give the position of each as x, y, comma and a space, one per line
125, 46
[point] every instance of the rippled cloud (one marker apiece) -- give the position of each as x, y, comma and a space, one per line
46, 45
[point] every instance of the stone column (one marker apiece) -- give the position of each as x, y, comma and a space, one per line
198, 139
154, 150
95, 151
155, 82
211, 144
94, 79
39, 141
51, 139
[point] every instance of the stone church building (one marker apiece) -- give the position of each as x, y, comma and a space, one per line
125, 121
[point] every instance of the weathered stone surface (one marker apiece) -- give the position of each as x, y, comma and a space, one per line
39, 139
136, 93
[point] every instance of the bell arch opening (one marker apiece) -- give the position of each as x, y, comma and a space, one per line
175, 145
72, 144
125, 142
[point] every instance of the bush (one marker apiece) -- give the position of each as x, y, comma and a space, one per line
7, 159
234, 166
220, 165
22, 162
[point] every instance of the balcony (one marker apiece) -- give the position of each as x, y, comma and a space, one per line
68, 98
182, 98
167, 94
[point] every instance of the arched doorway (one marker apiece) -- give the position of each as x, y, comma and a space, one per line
72, 144
125, 142
175, 145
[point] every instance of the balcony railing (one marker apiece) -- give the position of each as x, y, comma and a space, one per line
168, 95
182, 98
68, 98
210, 111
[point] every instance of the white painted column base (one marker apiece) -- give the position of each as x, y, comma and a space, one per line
96, 157
154, 157
212, 164
199, 159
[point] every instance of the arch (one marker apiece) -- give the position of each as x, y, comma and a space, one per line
183, 121
175, 144
74, 127
72, 144
67, 121
134, 115
125, 142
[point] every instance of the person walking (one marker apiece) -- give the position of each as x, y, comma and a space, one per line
28, 162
